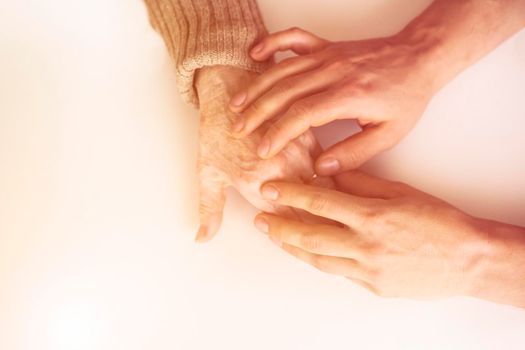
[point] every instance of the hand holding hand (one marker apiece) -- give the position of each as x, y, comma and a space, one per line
380, 83
225, 161
399, 242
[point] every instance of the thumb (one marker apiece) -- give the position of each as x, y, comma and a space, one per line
354, 151
298, 40
212, 197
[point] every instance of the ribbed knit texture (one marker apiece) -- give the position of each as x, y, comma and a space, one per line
201, 33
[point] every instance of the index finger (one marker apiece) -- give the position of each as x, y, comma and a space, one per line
311, 111
344, 208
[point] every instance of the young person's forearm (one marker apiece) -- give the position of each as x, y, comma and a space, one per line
498, 274
452, 35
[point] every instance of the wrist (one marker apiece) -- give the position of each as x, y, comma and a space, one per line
449, 36
497, 268
215, 86
220, 82
424, 45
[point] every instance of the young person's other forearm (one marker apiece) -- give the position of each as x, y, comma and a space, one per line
453, 35
499, 272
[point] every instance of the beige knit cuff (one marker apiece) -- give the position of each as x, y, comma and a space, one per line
203, 33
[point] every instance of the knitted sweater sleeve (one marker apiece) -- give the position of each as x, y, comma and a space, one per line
200, 33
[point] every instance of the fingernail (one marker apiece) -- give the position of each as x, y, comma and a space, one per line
201, 234
270, 192
276, 241
238, 125
264, 147
261, 224
238, 99
328, 166
257, 48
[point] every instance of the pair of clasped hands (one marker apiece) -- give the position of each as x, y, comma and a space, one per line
385, 236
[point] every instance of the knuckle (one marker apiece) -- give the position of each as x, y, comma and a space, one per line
208, 207
375, 251
296, 30
283, 87
336, 65
355, 157
317, 202
375, 218
310, 242
300, 111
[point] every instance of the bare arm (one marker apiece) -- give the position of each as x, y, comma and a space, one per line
500, 276
453, 35
384, 83
400, 242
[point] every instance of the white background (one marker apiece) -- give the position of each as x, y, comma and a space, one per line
98, 195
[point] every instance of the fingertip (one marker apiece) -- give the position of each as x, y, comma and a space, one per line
327, 165
263, 149
202, 234
238, 126
238, 100
262, 55
257, 50
261, 223
209, 229
269, 191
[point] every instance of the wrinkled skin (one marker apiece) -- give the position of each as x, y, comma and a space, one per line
226, 161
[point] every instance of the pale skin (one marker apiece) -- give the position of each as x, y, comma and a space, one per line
392, 239
224, 161
384, 84
397, 241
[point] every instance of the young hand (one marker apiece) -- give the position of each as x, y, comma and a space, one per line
380, 83
398, 241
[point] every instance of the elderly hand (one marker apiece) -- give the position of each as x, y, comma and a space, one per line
399, 242
225, 161
381, 83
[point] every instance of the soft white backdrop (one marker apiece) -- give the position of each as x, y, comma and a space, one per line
98, 195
